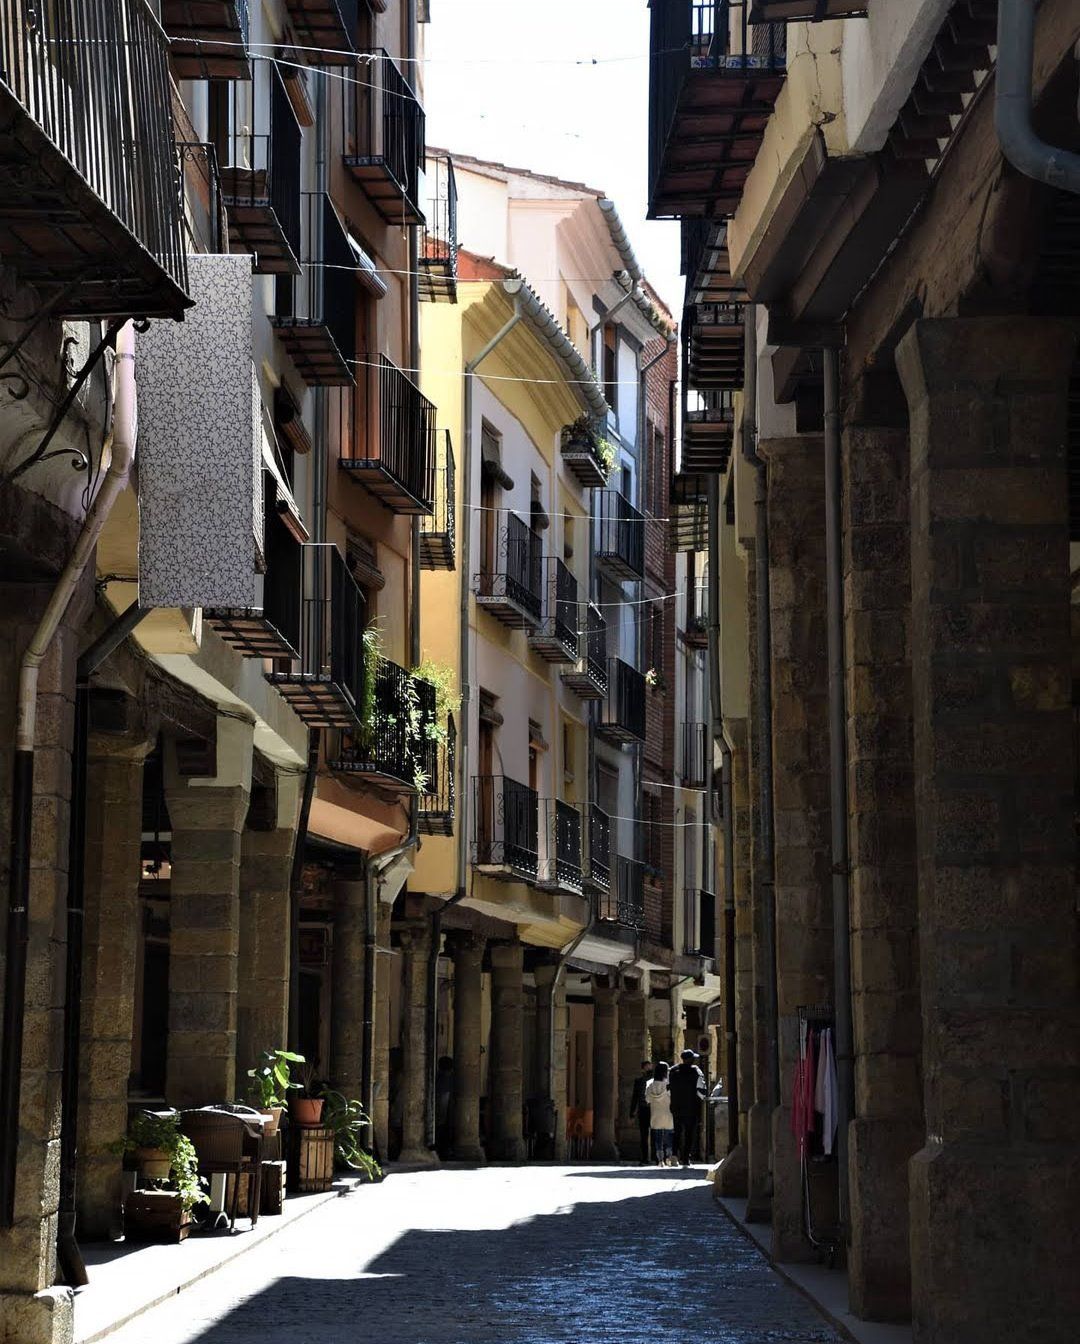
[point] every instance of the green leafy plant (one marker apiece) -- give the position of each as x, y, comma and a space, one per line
607, 455
348, 1120
425, 728
162, 1132
272, 1077
373, 652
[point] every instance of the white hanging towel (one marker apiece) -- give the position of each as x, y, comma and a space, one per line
828, 1110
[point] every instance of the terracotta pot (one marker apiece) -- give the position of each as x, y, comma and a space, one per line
153, 1163
274, 1112
306, 1110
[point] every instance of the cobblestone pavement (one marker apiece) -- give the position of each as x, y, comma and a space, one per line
533, 1255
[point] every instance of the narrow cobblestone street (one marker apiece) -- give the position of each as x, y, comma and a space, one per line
529, 1255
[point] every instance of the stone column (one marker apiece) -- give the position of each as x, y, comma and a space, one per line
415, 949
605, 1070
734, 1172
112, 868
266, 855
468, 953
384, 963
31, 1309
506, 1141
552, 1019
633, 1048
802, 854
995, 1191
888, 1128
207, 816
347, 984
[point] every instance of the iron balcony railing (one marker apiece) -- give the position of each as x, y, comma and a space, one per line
624, 900
325, 684
386, 438
589, 675
438, 530
392, 746
384, 137
510, 583
623, 719
315, 311
693, 757
620, 543
699, 923
556, 638
439, 247
599, 847
90, 204
200, 186
505, 826
437, 803
703, 35
561, 863
696, 626
258, 142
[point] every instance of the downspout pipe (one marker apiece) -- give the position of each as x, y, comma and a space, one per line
1013, 102
728, 818
69, 1258
767, 866
121, 445
838, 793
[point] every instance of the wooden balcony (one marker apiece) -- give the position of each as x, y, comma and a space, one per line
707, 431
688, 529
207, 38
90, 217
706, 264
810, 11
329, 25
714, 346
713, 84
385, 138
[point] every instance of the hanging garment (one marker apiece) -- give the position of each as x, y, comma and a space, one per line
825, 1091
802, 1096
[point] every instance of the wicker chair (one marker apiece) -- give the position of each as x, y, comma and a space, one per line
220, 1143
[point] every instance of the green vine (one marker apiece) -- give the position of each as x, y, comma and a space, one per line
373, 652
162, 1132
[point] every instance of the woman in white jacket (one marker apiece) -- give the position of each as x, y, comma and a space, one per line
661, 1121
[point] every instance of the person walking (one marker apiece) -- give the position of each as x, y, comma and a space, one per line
661, 1122
688, 1091
639, 1111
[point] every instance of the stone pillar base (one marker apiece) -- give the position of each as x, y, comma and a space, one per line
759, 1163
788, 1242
417, 1157
1002, 1219
605, 1152
47, 1317
879, 1258
732, 1181
508, 1150
469, 1153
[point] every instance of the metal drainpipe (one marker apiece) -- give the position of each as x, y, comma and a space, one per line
512, 288
122, 445
69, 1259
838, 793
767, 867
717, 711
1012, 102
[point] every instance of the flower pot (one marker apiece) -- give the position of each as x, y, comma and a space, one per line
306, 1110
153, 1163
155, 1215
274, 1112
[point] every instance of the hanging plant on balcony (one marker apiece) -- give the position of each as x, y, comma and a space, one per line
373, 652
655, 680
607, 455
432, 726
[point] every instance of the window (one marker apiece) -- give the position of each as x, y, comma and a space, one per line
490, 495
610, 366
568, 538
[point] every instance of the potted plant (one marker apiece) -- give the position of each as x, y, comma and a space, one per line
272, 1082
169, 1183
348, 1120
306, 1100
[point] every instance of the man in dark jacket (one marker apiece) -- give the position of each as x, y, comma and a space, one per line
639, 1111
686, 1085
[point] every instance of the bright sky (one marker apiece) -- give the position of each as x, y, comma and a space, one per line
501, 83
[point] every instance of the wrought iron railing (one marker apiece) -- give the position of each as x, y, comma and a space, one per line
515, 571
505, 825
699, 923
596, 645
624, 901
322, 295
693, 760
562, 841
557, 635
697, 611
258, 142
392, 742
387, 436
624, 709
439, 246
200, 187
437, 804
438, 530
108, 114
384, 125
620, 534
599, 847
